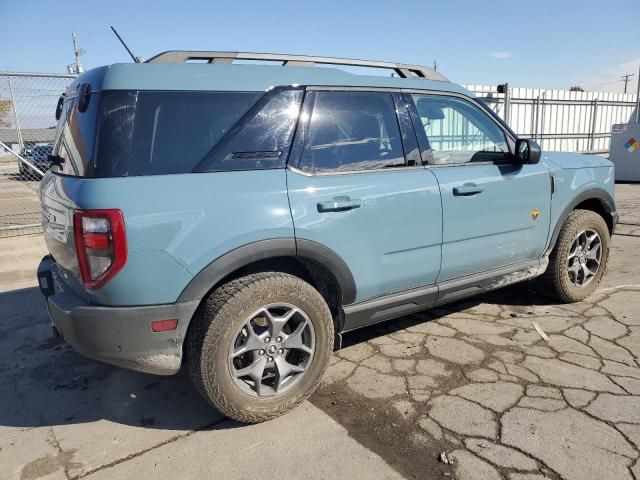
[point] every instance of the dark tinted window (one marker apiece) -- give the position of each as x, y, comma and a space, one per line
173, 131
353, 131
262, 139
151, 133
115, 133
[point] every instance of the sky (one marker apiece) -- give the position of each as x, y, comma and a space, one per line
536, 44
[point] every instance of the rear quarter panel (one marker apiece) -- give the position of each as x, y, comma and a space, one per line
177, 224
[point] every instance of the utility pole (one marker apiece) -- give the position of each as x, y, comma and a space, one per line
435, 65
76, 67
625, 79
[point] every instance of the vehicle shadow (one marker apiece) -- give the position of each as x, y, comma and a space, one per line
44, 382
519, 297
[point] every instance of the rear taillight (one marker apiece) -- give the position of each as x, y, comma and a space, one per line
101, 245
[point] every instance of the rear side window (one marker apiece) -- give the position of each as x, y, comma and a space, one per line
154, 133
352, 131
174, 131
262, 138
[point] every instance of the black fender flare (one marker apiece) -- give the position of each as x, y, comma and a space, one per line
605, 199
242, 256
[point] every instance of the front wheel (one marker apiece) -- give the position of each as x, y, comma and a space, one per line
259, 345
579, 259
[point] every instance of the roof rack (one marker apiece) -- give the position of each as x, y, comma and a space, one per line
402, 70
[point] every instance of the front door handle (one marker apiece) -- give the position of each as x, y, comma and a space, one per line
467, 190
338, 204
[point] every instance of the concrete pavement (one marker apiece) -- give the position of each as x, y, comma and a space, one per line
63, 416
475, 381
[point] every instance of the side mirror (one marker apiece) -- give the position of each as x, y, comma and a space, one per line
527, 151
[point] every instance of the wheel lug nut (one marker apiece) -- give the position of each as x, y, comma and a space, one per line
261, 352
279, 339
267, 339
270, 359
281, 351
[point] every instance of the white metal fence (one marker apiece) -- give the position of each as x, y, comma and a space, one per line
559, 120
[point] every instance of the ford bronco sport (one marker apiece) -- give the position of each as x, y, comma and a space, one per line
239, 218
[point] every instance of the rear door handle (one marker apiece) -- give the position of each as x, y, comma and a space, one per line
338, 204
467, 189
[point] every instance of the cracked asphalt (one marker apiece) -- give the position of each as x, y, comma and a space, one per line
475, 381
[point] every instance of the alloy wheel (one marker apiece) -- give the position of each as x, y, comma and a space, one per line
272, 350
585, 257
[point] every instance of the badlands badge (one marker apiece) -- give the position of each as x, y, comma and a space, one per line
535, 213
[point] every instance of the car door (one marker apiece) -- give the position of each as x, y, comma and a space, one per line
356, 186
495, 209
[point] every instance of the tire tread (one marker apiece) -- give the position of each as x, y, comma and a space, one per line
555, 280
208, 326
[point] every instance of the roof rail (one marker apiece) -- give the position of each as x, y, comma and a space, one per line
402, 70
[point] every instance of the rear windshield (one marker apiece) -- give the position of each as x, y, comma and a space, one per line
149, 133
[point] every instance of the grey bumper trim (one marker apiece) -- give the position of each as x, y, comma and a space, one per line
122, 336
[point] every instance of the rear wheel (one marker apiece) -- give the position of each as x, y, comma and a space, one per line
259, 345
579, 259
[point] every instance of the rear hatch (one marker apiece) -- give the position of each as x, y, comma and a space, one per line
73, 146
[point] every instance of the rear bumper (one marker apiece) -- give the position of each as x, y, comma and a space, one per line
120, 336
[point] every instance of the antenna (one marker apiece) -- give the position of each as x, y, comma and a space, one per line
135, 59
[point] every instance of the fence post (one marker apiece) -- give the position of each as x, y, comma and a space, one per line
537, 118
594, 118
15, 114
638, 98
507, 104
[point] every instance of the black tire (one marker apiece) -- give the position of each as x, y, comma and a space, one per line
213, 331
556, 281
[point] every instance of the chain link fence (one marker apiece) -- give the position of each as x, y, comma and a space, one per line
27, 129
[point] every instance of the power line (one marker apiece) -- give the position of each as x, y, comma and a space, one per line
625, 79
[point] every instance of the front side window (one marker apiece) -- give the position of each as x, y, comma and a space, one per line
352, 131
458, 131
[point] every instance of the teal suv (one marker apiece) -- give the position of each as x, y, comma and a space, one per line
239, 218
